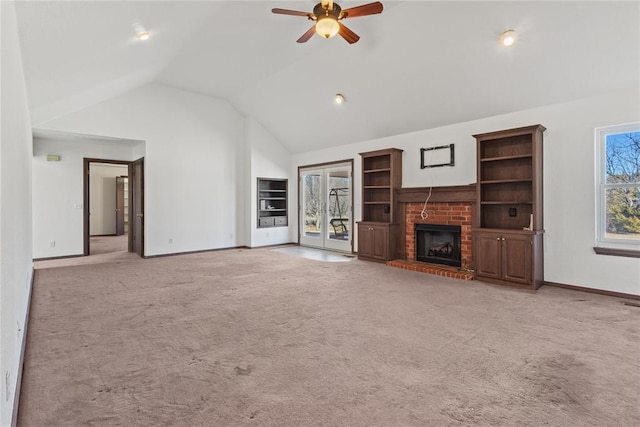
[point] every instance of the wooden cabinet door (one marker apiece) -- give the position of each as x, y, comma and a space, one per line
516, 258
373, 241
380, 247
365, 241
487, 254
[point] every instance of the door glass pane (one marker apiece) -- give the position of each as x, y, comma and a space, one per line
338, 205
312, 205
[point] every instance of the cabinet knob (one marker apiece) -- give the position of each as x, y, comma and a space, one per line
497, 238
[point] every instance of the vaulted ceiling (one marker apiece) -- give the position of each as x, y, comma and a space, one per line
418, 65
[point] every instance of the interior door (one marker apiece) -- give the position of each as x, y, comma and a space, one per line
326, 207
120, 181
136, 234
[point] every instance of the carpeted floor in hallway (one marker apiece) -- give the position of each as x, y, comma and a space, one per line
259, 337
108, 244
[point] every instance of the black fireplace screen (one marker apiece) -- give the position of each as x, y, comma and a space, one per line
438, 244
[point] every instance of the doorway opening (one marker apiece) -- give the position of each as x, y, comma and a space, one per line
113, 206
326, 206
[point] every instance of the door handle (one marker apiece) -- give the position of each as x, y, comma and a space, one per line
140, 215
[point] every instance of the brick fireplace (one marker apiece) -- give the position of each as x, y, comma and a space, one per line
440, 213
451, 206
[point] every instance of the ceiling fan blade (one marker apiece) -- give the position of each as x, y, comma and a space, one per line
364, 10
347, 34
306, 36
292, 12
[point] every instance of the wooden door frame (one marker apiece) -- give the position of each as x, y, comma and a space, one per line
85, 199
133, 210
324, 166
120, 210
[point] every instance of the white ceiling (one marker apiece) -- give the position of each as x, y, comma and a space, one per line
418, 65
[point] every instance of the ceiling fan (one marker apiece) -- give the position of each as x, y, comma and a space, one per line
326, 15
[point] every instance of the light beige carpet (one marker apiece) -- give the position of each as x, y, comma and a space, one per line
257, 337
108, 244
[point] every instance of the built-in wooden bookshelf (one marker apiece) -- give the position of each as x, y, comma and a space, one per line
378, 230
508, 241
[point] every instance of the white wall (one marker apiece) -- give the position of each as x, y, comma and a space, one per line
58, 190
16, 267
268, 159
569, 176
194, 163
102, 197
206, 202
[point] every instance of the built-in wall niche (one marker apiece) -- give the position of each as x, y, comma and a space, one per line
272, 202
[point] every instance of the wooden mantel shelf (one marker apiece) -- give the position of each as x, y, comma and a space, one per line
453, 193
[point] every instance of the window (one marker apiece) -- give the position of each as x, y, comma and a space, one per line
618, 182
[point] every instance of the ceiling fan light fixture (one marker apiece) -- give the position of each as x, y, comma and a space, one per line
144, 35
508, 38
327, 26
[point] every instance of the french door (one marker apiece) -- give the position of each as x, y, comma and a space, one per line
325, 216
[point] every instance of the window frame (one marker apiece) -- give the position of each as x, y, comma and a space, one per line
606, 245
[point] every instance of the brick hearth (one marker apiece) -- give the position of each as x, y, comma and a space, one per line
452, 205
424, 267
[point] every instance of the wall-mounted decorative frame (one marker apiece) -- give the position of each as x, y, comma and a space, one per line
437, 165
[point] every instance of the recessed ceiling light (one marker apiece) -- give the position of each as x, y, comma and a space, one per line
339, 98
508, 38
143, 35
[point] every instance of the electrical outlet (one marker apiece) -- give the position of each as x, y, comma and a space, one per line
170, 240
52, 244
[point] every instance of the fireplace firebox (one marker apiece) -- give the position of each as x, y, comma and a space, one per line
438, 244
